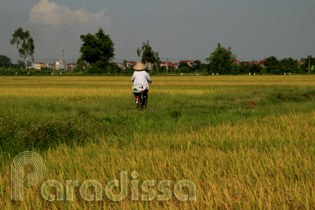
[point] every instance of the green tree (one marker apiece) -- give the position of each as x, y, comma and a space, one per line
307, 64
5, 61
20, 64
196, 65
24, 43
235, 68
147, 54
125, 64
272, 65
139, 52
182, 65
244, 68
255, 68
289, 65
81, 65
221, 59
157, 61
97, 49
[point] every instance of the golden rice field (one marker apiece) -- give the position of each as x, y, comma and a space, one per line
245, 142
119, 86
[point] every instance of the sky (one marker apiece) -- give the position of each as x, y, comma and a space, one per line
177, 29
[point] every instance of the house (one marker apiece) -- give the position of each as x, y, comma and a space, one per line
189, 62
60, 65
50, 66
149, 65
261, 62
169, 64
120, 65
39, 65
165, 64
71, 66
248, 62
130, 64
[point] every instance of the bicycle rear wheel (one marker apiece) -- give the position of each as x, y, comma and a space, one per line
138, 100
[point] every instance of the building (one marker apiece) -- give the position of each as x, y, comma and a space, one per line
169, 64
71, 66
189, 62
60, 65
261, 62
51, 66
39, 65
130, 64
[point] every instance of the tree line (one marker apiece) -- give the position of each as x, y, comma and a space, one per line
97, 53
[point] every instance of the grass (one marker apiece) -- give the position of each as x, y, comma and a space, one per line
246, 142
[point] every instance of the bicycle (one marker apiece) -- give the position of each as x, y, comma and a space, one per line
140, 96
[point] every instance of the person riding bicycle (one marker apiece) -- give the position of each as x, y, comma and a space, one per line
140, 79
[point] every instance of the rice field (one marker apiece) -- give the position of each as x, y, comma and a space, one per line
243, 142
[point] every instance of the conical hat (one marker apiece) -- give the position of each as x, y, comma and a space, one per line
139, 66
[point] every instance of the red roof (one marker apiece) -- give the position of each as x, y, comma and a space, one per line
186, 61
250, 62
131, 62
168, 63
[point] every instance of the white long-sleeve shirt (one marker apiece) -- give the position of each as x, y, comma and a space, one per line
141, 78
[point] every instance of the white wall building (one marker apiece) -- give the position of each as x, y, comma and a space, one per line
61, 65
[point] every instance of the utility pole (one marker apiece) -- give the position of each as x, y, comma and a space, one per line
63, 59
54, 68
309, 64
166, 65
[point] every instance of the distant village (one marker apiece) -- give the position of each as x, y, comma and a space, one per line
63, 65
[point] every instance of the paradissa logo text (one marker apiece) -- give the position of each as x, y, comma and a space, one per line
92, 190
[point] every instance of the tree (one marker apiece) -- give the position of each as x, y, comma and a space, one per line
24, 43
148, 55
308, 63
236, 68
5, 61
196, 65
244, 68
289, 64
81, 65
125, 65
182, 65
97, 49
255, 68
20, 64
221, 59
272, 65
157, 61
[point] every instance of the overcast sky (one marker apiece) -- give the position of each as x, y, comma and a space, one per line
177, 29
